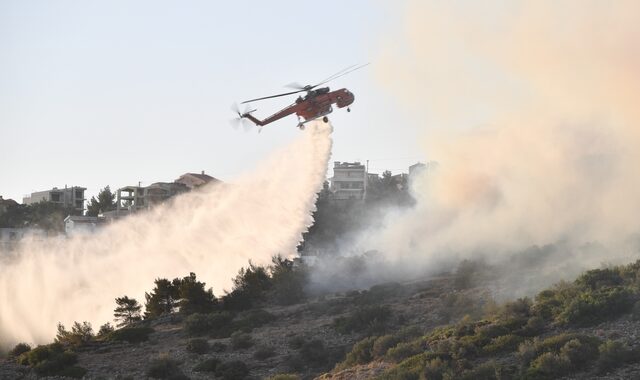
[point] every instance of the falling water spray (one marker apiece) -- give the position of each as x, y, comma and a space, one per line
213, 232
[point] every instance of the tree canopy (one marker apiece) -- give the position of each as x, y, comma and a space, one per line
104, 202
127, 311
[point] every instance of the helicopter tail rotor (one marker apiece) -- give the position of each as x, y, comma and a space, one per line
241, 119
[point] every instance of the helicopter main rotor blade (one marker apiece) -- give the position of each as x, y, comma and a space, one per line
307, 88
273, 96
342, 73
298, 86
295, 86
330, 77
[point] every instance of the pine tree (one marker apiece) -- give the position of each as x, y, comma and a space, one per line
127, 311
193, 296
162, 299
104, 202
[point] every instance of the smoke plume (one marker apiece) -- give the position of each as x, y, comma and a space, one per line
212, 232
531, 110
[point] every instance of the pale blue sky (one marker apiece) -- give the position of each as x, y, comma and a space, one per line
96, 93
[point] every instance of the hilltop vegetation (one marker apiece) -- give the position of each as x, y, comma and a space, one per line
542, 338
434, 329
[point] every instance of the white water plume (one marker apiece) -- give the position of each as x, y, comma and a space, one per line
212, 232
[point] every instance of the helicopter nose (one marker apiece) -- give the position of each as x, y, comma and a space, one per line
351, 97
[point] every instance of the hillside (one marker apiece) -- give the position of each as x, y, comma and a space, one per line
437, 328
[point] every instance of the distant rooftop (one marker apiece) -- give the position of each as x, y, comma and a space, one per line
347, 165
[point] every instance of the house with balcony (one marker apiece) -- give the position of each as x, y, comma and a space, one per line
69, 197
349, 181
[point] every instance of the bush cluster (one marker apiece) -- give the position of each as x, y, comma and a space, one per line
280, 283
130, 334
163, 367
52, 360
19, 349
368, 319
216, 325
311, 354
198, 346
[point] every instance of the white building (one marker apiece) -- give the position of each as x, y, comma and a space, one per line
349, 180
80, 225
70, 197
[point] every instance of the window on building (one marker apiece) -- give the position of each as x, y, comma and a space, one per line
79, 194
55, 197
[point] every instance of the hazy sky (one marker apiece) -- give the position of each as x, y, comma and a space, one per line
96, 93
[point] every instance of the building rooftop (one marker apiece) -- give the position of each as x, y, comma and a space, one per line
347, 165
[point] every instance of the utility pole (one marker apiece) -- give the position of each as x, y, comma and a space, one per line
366, 181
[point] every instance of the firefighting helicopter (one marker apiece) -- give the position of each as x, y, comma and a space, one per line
316, 103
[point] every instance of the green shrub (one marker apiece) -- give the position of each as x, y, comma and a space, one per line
217, 325
456, 305
403, 351
241, 340
314, 353
486, 332
410, 369
463, 348
579, 354
131, 334
164, 367
503, 343
485, 371
518, 309
534, 326
595, 306
232, 370
408, 333
599, 278
548, 365
251, 319
613, 354
383, 344
361, 353
19, 349
198, 346
556, 342
208, 365
49, 360
371, 319
435, 369
527, 351
379, 293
